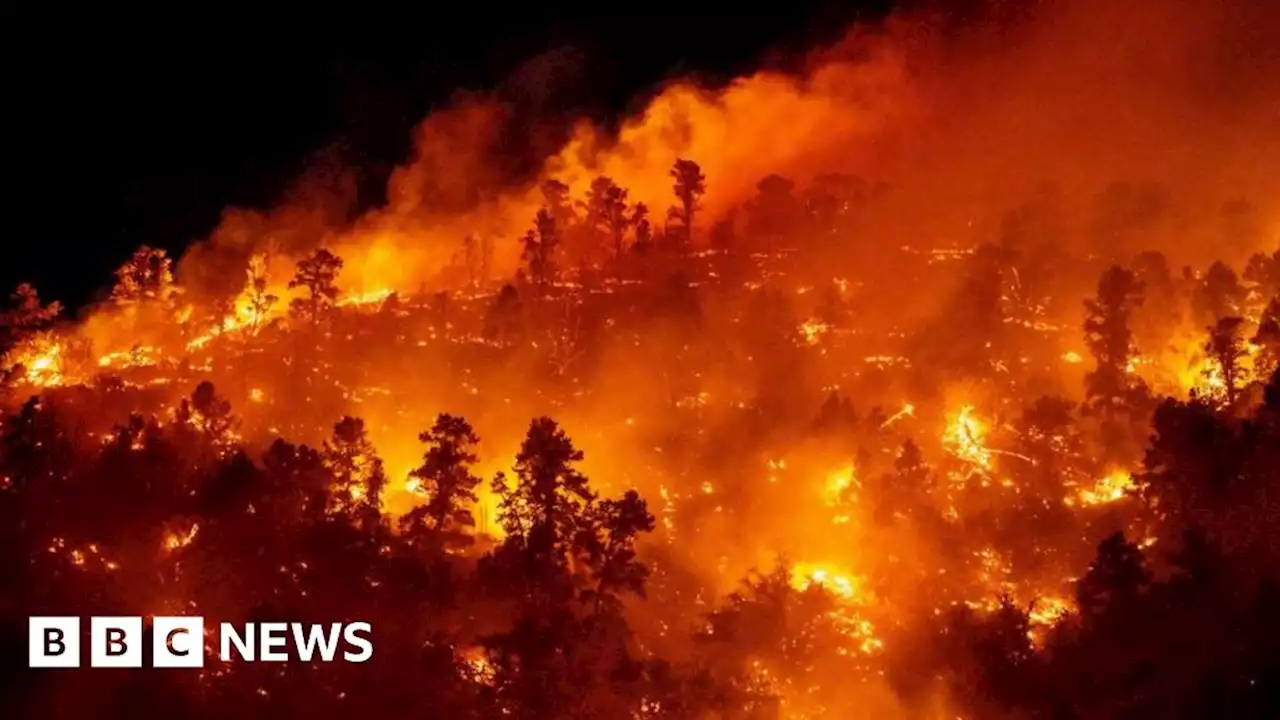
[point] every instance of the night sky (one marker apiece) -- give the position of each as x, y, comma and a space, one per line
143, 135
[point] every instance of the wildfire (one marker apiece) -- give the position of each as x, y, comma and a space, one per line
477, 663
1108, 489
42, 360
1048, 610
372, 297
1045, 613
812, 330
175, 541
705, 397
838, 485
908, 410
835, 581
139, 356
965, 437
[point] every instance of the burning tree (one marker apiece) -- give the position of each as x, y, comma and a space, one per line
1218, 295
471, 259
446, 478
643, 230
358, 477
317, 274
544, 507
1267, 340
1263, 274
259, 300
1049, 438
1225, 349
1110, 341
539, 250
607, 211
208, 412
555, 200
148, 275
27, 317
1112, 587
566, 649
28, 313
690, 185
610, 549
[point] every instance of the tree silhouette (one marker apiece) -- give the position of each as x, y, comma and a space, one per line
775, 210
539, 250
1049, 437
148, 275
836, 414
545, 516
1110, 341
611, 553
643, 230
502, 321
260, 301
1225, 348
1156, 320
1267, 339
543, 509
1263, 274
1219, 294
471, 259
26, 316
209, 413
607, 211
555, 200
358, 477
690, 185
905, 489
1115, 582
447, 479
317, 274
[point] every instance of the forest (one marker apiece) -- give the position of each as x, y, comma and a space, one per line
626, 442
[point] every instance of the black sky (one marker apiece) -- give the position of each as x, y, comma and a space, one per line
144, 133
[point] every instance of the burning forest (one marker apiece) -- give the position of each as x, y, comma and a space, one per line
935, 378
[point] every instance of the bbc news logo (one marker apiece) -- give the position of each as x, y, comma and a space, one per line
178, 642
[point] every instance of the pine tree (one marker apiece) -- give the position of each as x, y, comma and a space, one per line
447, 479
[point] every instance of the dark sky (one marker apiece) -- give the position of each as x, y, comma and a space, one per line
144, 133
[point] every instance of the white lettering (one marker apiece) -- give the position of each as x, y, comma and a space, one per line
243, 645
307, 646
352, 638
273, 636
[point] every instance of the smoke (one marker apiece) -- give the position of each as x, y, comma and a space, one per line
1123, 125
963, 119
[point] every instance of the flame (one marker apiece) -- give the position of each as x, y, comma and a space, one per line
838, 483
828, 577
176, 541
812, 330
43, 361
372, 297
1048, 610
965, 436
1108, 489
